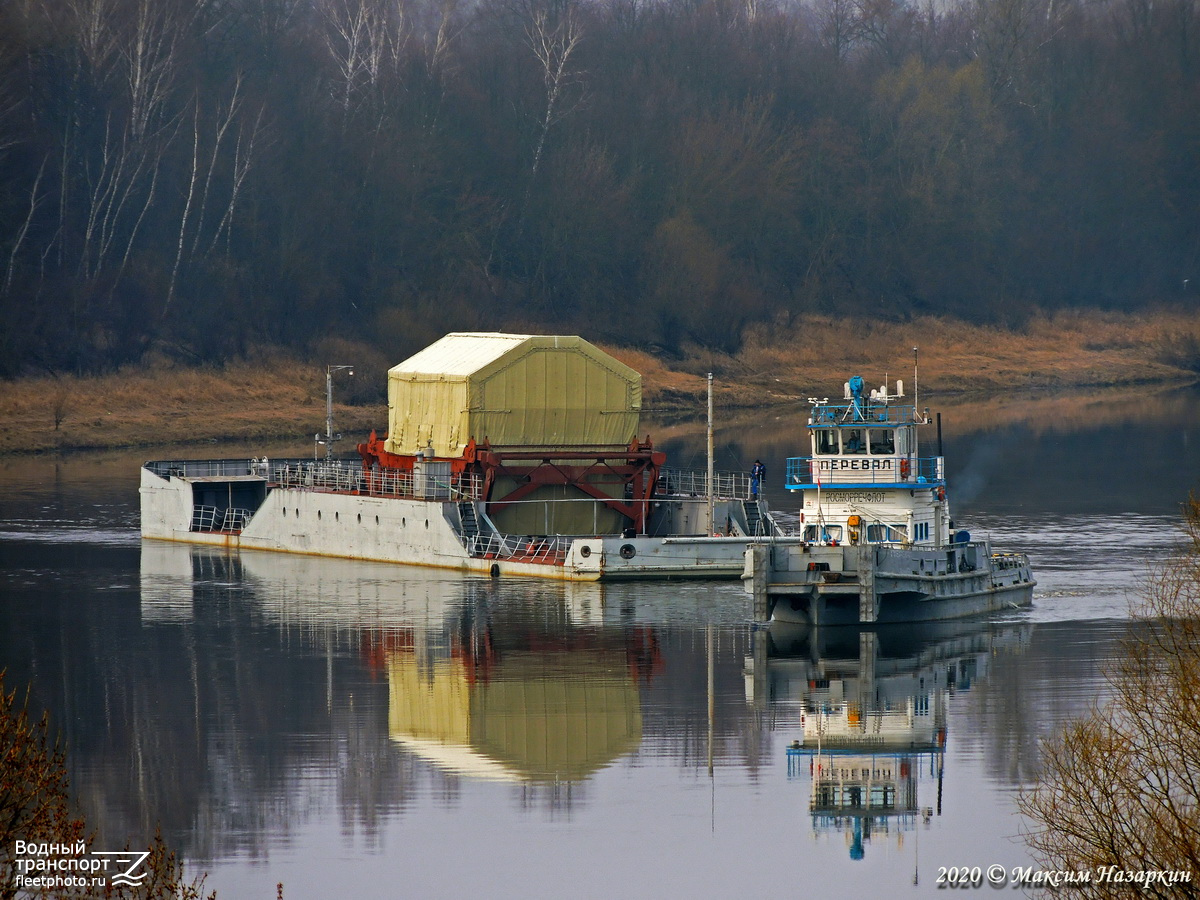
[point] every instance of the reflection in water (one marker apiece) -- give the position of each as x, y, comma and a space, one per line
246, 702
522, 712
396, 675
874, 709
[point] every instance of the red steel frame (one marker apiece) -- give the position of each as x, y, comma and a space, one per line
585, 469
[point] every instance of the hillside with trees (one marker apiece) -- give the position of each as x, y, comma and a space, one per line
199, 177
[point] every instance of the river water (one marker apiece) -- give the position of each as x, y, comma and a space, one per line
355, 729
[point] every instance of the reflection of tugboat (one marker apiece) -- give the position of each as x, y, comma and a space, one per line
873, 714
879, 544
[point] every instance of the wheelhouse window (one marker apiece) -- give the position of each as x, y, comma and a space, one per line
882, 441
827, 441
856, 441
817, 533
880, 534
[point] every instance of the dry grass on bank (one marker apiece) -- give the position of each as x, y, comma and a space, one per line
245, 401
1065, 351
282, 397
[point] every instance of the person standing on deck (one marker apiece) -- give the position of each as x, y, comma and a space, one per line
757, 473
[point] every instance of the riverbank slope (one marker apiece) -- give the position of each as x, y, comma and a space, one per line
283, 397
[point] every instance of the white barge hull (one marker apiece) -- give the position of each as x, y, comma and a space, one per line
413, 531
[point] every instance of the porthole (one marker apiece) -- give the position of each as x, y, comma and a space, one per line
628, 551
585, 551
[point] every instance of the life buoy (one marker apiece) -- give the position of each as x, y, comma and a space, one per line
904, 468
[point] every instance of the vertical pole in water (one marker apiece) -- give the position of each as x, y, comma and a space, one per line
712, 706
711, 512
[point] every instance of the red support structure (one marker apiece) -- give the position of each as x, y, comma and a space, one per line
633, 467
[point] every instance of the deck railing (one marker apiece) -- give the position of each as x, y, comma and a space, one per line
330, 476
865, 412
550, 550
339, 475
694, 483
206, 468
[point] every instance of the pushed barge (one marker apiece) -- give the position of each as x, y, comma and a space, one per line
878, 543
506, 454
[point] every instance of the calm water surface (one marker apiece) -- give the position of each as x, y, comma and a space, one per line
353, 729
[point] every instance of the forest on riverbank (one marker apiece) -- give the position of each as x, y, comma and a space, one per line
194, 179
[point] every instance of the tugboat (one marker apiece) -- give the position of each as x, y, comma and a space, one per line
878, 542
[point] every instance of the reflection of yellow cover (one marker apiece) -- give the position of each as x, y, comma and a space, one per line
543, 716
513, 390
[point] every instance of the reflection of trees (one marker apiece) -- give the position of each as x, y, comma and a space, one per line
1007, 714
236, 707
214, 726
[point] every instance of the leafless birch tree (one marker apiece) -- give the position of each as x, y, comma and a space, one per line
552, 43
201, 187
364, 38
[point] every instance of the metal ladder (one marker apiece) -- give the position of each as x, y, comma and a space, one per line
756, 523
468, 523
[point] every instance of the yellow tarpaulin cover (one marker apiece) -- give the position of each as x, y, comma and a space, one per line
514, 390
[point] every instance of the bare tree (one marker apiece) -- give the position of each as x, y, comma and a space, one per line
552, 43
133, 52
35, 200
203, 173
363, 38
243, 157
447, 30
149, 51
1121, 786
838, 25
